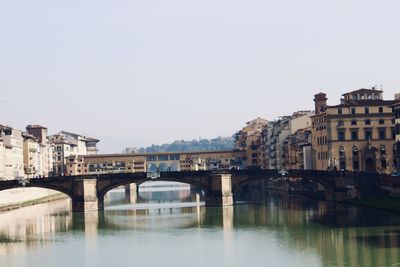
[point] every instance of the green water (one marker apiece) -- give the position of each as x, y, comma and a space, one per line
171, 229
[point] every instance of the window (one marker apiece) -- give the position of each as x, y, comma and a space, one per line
397, 113
380, 109
381, 122
356, 166
383, 150
340, 111
369, 96
341, 152
368, 134
354, 135
340, 123
341, 135
355, 151
382, 133
366, 110
368, 122
353, 111
354, 122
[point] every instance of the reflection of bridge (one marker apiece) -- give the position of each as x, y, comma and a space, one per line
87, 192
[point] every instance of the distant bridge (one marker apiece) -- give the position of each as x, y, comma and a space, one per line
87, 191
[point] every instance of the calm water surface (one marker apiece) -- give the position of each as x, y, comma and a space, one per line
172, 229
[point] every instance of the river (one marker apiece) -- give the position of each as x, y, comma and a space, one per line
172, 228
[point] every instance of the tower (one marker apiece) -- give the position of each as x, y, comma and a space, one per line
320, 101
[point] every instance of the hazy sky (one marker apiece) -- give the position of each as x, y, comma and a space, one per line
134, 73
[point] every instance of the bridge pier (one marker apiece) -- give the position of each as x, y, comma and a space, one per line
131, 193
85, 196
220, 193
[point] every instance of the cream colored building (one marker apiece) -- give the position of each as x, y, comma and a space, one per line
45, 150
274, 136
13, 152
2, 160
69, 144
31, 156
356, 135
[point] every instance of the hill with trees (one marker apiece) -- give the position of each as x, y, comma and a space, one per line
216, 144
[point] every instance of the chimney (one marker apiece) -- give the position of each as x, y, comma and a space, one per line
320, 101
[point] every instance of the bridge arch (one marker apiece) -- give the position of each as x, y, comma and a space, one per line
198, 182
152, 167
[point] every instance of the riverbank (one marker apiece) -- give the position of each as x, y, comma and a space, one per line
13, 205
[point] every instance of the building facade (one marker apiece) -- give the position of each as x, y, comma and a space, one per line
152, 162
356, 135
69, 144
249, 139
45, 150
274, 139
13, 152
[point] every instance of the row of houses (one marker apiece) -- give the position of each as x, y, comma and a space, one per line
154, 162
356, 134
32, 153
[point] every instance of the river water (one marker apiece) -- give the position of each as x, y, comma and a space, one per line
171, 228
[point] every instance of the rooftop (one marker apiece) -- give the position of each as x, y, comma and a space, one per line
366, 103
364, 91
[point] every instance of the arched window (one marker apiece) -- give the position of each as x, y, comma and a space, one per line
341, 151
383, 150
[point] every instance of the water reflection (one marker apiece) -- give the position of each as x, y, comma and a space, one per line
283, 231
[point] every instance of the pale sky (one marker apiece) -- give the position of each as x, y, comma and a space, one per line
133, 73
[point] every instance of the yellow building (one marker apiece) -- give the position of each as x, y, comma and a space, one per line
102, 164
154, 162
31, 156
356, 135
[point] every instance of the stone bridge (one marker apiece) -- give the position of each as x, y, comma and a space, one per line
87, 192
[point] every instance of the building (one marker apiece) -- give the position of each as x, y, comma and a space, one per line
13, 152
31, 156
396, 111
104, 164
2, 160
45, 150
298, 150
274, 139
249, 139
69, 144
356, 135
152, 162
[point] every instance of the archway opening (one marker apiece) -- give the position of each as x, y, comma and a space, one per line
163, 167
154, 193
152, 167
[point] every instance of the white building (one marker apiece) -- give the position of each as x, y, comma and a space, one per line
69, 144
13, 152
2, 160
45, 150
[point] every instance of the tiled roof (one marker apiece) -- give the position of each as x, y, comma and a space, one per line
366, 103
363, 91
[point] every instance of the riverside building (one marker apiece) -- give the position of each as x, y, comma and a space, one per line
355, 135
